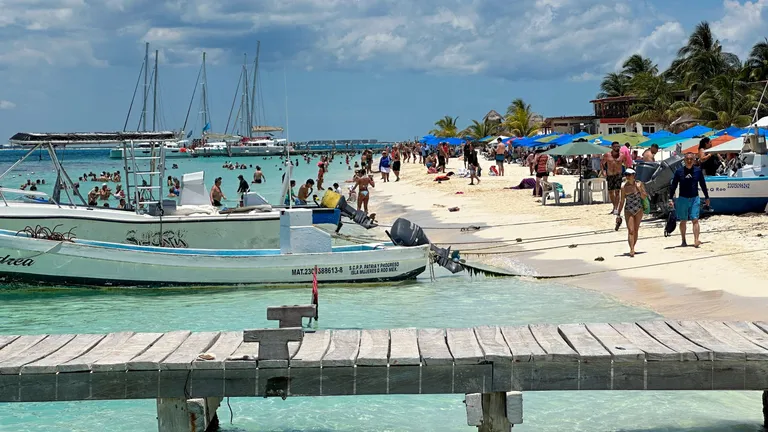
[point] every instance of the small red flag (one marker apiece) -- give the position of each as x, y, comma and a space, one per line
314, 291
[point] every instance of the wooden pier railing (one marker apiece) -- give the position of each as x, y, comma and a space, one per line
189, 372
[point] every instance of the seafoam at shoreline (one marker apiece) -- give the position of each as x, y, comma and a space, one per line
720, 280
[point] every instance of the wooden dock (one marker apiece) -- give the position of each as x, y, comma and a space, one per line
480, 361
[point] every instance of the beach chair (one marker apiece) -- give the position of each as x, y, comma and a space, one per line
595, 185
546, 188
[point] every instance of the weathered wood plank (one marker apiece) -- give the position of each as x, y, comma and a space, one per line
343, 349
162, 348
244, 357
433, 347
18, 346
464, 346
523, 344
117, 359
653, 349
492, 342
6, 339
763, 325
186, 354
550, 340
78, 346
663, 333
83, 363
696, 334
41, 349
621, 348
404, 347
583, 342
312, 349
750, 332
374, 348
734, 339
225, 346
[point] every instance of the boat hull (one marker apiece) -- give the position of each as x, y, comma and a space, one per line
738, 195
230, 231
88, 263
239, 151
169, 153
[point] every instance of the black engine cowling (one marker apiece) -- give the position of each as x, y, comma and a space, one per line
407, 233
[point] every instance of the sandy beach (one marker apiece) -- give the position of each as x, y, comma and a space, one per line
723, 279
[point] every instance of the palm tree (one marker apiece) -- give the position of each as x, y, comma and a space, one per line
727, 101
758, 61
637, 64
614, 84
703, 58
656, 102
520, 119
446, 127
478, 130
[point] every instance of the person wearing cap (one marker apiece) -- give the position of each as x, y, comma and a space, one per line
631, 201
243, 188
688, 205
384, 166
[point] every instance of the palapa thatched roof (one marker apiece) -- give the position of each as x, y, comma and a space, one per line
493, 116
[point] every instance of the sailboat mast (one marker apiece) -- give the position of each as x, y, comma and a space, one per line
253, 84
246, 105
146, 87
154, 96
204, 96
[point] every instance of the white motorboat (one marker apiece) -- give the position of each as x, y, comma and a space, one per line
173, 150
744, 186
53, 258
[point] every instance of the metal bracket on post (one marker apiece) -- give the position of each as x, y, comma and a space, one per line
291, 316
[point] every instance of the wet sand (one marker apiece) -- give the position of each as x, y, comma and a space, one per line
723, 279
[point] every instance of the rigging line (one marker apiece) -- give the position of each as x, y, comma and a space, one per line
192, 100
234, 99
133, 98
648, 265
146, 94
492, 226
469, 251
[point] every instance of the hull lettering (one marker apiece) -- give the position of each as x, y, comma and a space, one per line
169, 239
366, 269
24, 262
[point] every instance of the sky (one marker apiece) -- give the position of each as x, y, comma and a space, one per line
336, 69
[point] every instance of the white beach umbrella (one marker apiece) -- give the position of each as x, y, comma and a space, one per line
762, 123
733, 146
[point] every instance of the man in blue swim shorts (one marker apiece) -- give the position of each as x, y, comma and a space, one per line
501, 150
688, 205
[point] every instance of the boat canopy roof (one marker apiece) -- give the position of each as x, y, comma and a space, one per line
267, 129
96, 138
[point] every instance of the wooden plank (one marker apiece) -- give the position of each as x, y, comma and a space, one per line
103, 348
620, 347
750, 332
118, 358
343, 348
583, 342
688, 350
696, 334
6, 339
404, 347
244, 357
225, 346
312, 349
763, 325
183, 357
18, 346
433, 347
731, 338
374, 348
653, 349
78, 346
162, 348
523, 345
492, 342
550, 340
41, 349
464, 346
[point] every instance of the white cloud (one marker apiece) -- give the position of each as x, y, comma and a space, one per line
741, 25
6, 105
661, 45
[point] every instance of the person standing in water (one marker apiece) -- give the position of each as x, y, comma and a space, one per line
632, 196
216, 195
243, 188
258, 176
688, 205
362, 183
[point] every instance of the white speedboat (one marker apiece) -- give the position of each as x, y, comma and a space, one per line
305, 251
173, 150
744, 187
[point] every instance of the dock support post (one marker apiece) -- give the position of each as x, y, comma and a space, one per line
765, 410
494, 412
187, 415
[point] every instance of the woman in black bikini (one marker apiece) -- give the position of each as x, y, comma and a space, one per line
632, 196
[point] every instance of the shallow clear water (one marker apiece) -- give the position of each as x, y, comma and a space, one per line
448, 302
79, 162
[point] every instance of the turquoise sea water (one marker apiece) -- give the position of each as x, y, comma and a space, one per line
449, 302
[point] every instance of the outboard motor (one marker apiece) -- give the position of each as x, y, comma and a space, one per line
659, 183
407, 233
358, 216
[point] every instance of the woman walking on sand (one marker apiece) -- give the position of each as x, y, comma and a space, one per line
632, 196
